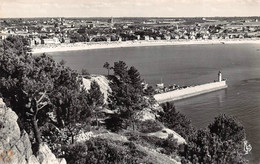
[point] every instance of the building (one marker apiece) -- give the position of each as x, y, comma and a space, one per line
146, 37
108, 38
138, 37
3, 36
158, 38
65, 40
167, 37
111, 22
50, 41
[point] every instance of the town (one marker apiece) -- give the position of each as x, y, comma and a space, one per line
51, 31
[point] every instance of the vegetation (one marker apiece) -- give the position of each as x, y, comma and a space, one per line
107, 66
228, 128
41, 90
127, 92
102, 151
54, 107
175, 120
149, 126
217, 146
95, 99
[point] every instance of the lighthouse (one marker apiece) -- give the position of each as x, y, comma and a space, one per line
219, 76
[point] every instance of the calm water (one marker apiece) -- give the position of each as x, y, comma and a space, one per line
188, 65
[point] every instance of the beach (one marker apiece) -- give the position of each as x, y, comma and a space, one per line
138, 43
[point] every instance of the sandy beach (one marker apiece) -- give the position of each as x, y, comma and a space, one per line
103, 45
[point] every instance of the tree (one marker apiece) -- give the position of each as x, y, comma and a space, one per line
220, 143
127, 93
62, 62
84, 72
121, 71
227, 128
175, 120
149, 91
205, 147
96, 98
135, 78
34, 86
107, 66
26, 83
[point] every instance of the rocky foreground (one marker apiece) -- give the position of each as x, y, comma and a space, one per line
15, 146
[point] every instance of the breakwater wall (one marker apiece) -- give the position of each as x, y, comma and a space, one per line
189, 92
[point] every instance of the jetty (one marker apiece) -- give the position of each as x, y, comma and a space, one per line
191, 91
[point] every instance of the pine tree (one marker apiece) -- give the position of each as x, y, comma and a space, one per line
121, 71
107, 66
135, 78
96, 98
36, 85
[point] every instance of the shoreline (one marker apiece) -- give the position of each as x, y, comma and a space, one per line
105, 45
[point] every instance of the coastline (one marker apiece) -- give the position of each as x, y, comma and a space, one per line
140, 43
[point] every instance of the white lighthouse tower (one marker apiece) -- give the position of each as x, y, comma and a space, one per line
219, 76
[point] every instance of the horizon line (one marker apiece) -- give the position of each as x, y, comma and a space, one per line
128, 17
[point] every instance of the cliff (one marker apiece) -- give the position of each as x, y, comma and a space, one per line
15, 146
102, 82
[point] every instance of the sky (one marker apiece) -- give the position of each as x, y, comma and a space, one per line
128, 8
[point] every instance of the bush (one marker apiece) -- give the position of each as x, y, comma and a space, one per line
114, 123
76, 153
149, 126
175, 120
108, 152
227, 128
205, 147
169, 145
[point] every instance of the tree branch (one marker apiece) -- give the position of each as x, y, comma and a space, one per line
42, 97
43, 105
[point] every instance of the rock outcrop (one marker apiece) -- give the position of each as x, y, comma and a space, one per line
15, 146
102, 82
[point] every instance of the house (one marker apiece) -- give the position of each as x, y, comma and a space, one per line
226, 37
213, 37
3, 36
192, 37
158, 38
138, 37
241, 36
146, 37
205, 36
185, 37
31, 42
37, 40
108, 38
167, 37
54, 40
177, 37
65, 40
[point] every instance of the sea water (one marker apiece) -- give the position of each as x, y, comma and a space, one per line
187, 65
